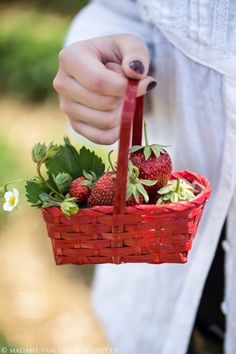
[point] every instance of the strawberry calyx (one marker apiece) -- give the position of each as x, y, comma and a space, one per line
90, 179
148, 149
176, 190
135, 185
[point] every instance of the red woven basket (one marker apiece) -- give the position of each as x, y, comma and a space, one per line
119, 234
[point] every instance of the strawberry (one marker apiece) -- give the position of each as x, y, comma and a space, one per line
136, 193
80, 187
153, 162
153, 198
132, 202
176, 190
103, 191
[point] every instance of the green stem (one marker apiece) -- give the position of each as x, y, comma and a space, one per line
109, 160
178, 185
12, 182
45, 182
145, 134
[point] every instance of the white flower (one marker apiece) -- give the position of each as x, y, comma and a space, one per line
11, 200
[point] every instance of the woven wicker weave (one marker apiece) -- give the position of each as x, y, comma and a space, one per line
120, 234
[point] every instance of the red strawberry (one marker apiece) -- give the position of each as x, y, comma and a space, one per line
103, 191
80, 187
132, 202
153, 162
136, 193
153, 198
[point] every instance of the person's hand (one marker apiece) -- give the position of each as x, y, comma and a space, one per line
91, 81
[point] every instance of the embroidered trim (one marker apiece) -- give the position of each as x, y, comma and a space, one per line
192, 26
220, 22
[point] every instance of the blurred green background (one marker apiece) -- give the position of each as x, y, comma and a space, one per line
31, 34
40, 304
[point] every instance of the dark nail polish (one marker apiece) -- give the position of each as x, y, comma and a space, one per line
151, 85
137, 66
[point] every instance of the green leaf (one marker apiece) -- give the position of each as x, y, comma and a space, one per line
167, 197
147, 152
135, 148
165, 189
174, 197
87, 175
90, 162
160, 201
63, 181
136, 195
51, 182
156, 149
94, 175
33, 191
186, 185
187, 194
147, 182
86, 183
44, 197
67, 160
130, 190
142, 191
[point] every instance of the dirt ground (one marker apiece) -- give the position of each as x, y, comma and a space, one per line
41, 305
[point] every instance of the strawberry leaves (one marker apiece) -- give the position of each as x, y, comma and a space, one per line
67, 160
148, 149
157, 150
63, 164
33, 190
89, 161
135, 185
177, 190
62, 181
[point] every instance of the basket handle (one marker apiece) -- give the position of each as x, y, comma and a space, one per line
131, 117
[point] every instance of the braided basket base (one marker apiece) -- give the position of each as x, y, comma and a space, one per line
142, 234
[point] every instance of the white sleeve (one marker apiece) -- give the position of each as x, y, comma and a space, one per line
106, 17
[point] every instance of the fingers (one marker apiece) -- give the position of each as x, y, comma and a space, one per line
134, 54
97, 119
73, 91
83, 61
86, 62
98, 136
145, 85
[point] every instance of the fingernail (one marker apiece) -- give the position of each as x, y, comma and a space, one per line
137, 66
151, 85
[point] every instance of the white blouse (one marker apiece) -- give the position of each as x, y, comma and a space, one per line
151, 308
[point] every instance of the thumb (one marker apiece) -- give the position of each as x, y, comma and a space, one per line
134, 55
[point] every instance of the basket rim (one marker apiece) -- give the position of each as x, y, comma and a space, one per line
183, 205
